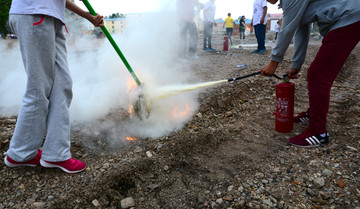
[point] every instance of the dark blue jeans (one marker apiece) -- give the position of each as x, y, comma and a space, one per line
260, 36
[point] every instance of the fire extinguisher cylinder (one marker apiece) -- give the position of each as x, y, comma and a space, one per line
226, 43
284, 114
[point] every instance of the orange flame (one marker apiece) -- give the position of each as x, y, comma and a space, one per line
181, 111
130, 138
131, 85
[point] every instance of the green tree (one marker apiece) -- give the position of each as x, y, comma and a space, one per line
117, 15
4, 16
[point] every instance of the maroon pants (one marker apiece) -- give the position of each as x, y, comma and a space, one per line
334, 51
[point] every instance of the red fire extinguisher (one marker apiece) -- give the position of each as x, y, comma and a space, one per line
284, 114
226, 43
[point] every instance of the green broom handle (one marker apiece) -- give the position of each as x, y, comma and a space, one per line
113, 43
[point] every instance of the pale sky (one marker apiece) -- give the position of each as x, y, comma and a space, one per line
235, 7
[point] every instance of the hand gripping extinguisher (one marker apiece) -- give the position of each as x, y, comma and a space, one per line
284, 114
226, 43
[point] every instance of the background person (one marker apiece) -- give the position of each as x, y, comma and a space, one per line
242, 27
230, 24
339, 23
39, 26
277, 29
209, 22
259, 22
186, 14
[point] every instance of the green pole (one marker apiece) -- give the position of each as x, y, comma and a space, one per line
113, 43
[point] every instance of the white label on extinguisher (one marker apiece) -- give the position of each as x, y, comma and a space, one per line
282, 105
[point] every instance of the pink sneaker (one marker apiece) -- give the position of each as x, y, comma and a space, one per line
32, 163
69, 166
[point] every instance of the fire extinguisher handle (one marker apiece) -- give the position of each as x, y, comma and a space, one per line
278, 77
284, 76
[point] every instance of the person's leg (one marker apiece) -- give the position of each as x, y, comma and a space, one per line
206, 35
38, 54
261, 41
57, 143
257, 35
193, 38
183, 43
334, 51
229, 34
211, 26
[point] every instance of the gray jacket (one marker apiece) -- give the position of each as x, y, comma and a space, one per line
298, 16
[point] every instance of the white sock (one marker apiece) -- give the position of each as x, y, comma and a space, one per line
323, 135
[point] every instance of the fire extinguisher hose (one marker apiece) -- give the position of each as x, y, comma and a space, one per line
253, 74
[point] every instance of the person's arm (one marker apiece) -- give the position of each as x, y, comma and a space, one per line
262, 21
301, 42
95, 20
243, 23
293, 11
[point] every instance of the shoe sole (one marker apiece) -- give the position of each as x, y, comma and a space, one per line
49, 165
12, 165
309, 146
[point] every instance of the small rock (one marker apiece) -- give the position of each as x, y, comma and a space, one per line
230, 188
138, 149
259, 175
96, 203
201, 199
327, 172
325, 195
341, 184
148, 154
267, 202
240, 204
219, 201
310, 192
227, 198
246, 185
166, 167
353, 149
30, 201
320, 182
127, 203
39, 204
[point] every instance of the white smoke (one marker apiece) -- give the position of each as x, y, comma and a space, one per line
100, 79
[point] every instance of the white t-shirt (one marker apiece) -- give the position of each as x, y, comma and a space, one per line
277, 27
258, 11
209, 11
54, 8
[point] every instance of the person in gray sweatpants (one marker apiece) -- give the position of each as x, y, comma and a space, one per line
44, 110
48, 90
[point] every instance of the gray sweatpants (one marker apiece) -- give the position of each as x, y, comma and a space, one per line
48, 94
